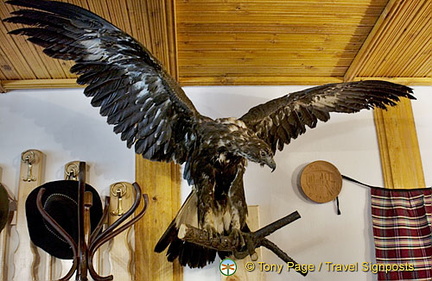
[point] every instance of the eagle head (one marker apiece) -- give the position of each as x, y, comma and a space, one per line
258, 151
233, 137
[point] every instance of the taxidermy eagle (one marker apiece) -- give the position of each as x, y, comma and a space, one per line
151, 112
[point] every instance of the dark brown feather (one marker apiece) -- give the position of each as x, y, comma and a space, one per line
302, 109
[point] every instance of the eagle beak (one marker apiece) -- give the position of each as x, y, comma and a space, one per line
271, 163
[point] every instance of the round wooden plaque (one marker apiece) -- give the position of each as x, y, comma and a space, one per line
321, 181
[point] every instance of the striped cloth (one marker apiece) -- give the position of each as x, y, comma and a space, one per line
402, 233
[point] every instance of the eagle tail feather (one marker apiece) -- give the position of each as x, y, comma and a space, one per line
187, 253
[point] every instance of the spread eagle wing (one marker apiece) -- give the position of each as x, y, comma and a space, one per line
145, 105
285, 118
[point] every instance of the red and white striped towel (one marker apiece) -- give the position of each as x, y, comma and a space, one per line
402, 228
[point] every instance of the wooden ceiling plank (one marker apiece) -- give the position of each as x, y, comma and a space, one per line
393, 41
248, 38
7, 72
264, 2
272, 28
297, 7
267, 39
119, 12
138, 15
171, 25
19, 65
2, 75
149, 32
406, 46
251, 37
32, 54
402, 64
426, 68
100, 8
144, 32
268, 47
37, 62
214, 17
398, 44
261, 58
283, 54
274, 6
81, 3
401, 68
252, 80
371, 41
10, 47
265, 61
424, 60
254, 70
413, 58
156, 10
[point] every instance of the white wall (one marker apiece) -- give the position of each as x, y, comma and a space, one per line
423, 117
64, 125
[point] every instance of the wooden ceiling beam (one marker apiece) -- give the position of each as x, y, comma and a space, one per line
8, 85
40, 84
292, 80
2, 88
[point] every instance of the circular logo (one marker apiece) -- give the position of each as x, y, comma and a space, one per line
228, 267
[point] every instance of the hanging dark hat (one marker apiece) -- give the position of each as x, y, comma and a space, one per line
60, 201
4, 207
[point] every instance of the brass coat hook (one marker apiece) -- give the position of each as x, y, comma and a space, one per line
29, 158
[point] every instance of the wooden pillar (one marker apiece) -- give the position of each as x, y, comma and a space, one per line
161, 181
399, 149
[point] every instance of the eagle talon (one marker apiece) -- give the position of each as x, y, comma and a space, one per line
211, 232
244, 243
237, 236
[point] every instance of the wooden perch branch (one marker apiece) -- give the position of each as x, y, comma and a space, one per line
232, 244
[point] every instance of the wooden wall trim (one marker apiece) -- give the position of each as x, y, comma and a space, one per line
9, 85
399, 148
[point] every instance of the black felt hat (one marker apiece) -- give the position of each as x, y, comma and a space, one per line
4, 207
60, 201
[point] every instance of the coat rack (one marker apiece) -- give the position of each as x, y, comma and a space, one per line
88, 243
